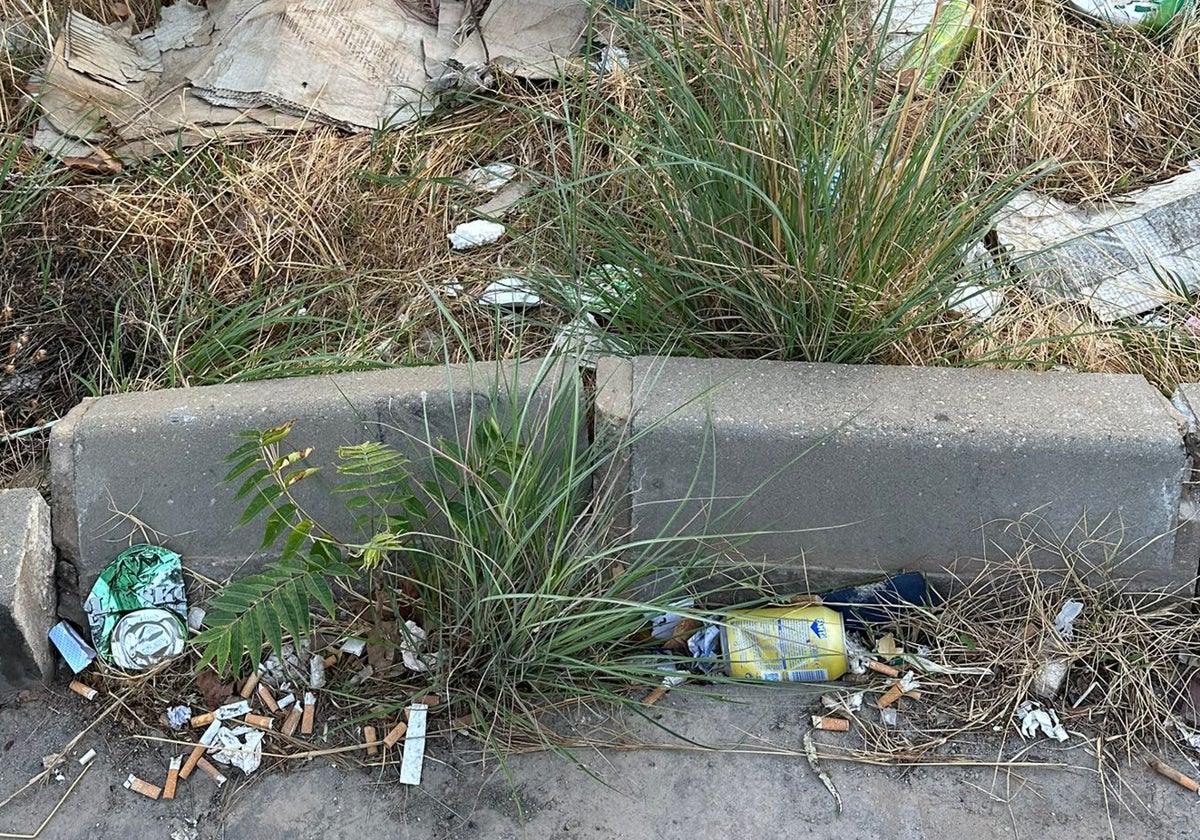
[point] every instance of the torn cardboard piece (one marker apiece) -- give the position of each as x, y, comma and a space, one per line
243, 68
1120, 259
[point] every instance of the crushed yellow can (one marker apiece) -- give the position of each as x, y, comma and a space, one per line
784, 644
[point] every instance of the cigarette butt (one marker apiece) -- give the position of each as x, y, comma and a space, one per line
207, 766
396, 734
261, 721
267, 698
190, 764
830, 724
430, 700
369, 737
249, 685
881, 668
1175, 776
143, 787
83, 690
286, 700
330, 660
86, 758
654, 696
891, 695
915, 694
203, 720
172, 778
310, 712
293, 720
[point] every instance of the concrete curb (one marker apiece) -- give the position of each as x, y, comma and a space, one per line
857, 470
27, 591
849, 470
150, 467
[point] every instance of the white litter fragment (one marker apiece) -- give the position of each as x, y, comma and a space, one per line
489, 178
353, 647
1065, 620
611, 58
232, 710
412, 648
1034, 717
847, 703
316, 672
475, 234
584, 339
414, 745
179, 716
509, 293
210, 735
240, 747
195, 619
888, 716
978, 302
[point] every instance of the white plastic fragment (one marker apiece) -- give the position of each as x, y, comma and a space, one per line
354, 647
179, 716
978, 302
316, 672
610, 59
232, 710
489, 178
1064, 621
195, 619
1034, 717
240, 747
412, 647
847, 703
414, 745
210, 735
509, 293
888, 716
475, 234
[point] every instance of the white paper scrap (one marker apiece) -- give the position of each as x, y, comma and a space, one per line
475, 234
414, 745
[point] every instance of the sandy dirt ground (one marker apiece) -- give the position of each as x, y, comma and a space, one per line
681, 790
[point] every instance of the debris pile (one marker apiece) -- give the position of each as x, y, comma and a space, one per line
235, 69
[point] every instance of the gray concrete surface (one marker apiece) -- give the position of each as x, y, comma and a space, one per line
149, 467
27, 592
862, 469
741, 778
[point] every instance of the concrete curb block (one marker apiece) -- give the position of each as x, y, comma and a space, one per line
27, 591
149, 467
862, 469
849, 470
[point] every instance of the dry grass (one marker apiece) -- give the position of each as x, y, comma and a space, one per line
1125, 682
1113, 108
1028, 332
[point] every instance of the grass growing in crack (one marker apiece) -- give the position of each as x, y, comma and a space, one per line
501, 546
766, 193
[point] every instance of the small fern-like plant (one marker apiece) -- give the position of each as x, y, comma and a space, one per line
259, 609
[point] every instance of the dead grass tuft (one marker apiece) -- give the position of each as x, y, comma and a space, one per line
1127, 657
1112, 108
